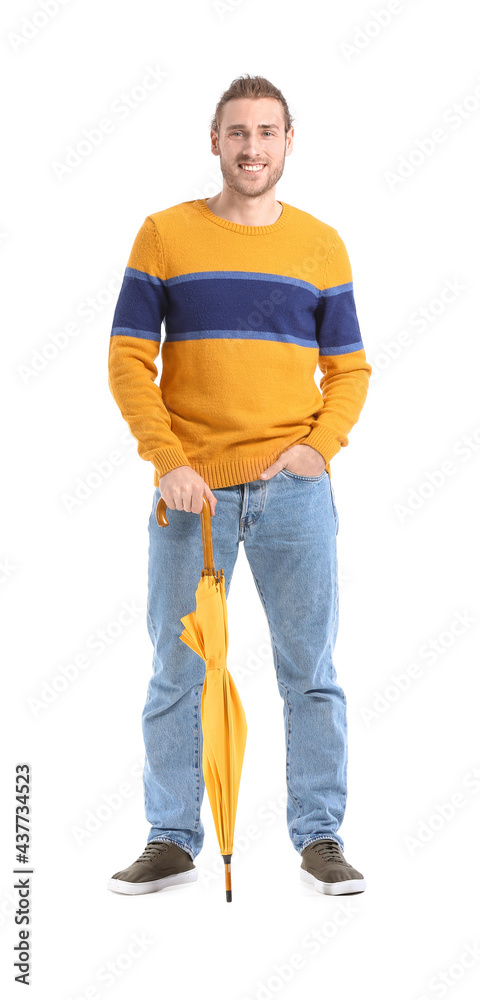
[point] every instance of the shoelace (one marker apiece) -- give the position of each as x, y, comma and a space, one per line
329, 850
151, 850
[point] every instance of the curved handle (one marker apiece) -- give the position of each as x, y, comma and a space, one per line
206, 522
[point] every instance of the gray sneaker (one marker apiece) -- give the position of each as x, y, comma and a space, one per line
324, 866
162, 863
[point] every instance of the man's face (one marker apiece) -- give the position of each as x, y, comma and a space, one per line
252, 131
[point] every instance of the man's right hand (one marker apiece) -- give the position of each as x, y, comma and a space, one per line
182, 489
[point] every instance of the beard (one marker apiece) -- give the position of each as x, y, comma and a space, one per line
235, 179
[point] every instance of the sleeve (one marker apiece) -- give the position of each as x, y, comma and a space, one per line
134, 346
341, 360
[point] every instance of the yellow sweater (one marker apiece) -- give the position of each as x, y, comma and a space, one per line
249, 313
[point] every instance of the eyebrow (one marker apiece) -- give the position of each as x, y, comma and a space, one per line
259, 126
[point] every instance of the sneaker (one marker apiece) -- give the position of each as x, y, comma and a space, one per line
324, 866
162, 863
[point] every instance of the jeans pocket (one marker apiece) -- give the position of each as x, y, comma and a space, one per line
306, 479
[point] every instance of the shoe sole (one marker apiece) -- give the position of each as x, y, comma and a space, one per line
136, 888
334, 888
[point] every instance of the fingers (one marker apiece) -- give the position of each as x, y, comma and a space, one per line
195, 502
184, 489
211, 499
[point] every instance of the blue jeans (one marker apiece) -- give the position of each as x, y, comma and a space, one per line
288, 525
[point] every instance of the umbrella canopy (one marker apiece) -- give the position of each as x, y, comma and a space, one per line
224, 725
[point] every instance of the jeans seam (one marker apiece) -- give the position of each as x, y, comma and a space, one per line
275, 657
334, 507
299, 808
149, 617
198, 762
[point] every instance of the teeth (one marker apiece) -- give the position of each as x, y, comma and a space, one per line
252, 168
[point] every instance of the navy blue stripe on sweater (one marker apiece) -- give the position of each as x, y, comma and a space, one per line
141, 306
238, 305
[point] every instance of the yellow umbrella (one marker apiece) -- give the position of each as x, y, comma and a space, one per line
224, 725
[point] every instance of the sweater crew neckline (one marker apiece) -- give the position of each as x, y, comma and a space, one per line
235, 227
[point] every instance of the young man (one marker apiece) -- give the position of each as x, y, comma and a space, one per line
254, 293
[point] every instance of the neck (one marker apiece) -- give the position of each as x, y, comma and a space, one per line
261, 211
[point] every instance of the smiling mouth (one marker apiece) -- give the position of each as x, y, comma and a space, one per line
252, 168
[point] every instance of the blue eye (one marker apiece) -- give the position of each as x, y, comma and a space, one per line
267, 132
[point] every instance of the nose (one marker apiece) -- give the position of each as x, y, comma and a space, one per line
251, 151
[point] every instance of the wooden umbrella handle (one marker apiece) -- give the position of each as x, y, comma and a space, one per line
206, 522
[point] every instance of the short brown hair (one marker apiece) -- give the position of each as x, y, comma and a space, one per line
250, 86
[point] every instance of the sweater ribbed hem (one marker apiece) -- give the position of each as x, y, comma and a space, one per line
239, 470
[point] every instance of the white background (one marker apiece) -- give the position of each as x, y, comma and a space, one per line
408, 568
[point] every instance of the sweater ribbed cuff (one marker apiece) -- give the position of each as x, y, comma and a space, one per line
322, 439
167, 459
